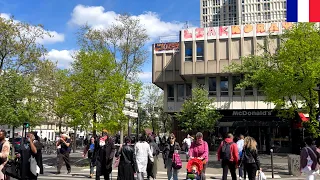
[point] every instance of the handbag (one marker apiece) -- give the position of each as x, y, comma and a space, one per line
307, 168
12, 169
34, 168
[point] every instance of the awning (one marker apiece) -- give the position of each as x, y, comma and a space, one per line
304, 117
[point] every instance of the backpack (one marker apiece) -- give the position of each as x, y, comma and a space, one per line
225, 153
176, 161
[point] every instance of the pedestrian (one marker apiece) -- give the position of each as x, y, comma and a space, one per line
169, 149
186, 144
127, 162
27, 150
64, 153
199, 149
309, 159
4, 152
153, 166
38, 155
229, 157
143, 155
88, 152
250, 159
104, 152
240, 144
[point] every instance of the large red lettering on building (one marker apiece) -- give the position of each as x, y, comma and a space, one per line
199, 33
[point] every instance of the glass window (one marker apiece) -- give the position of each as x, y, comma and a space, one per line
180, 88
235, 81
188, 90
212, 86
248, 91
188, 53
224, 86
260, 92
200, 48
170, 91
201, 81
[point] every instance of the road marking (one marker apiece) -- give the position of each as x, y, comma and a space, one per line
214, 175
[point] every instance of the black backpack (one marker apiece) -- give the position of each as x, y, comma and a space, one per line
225, 153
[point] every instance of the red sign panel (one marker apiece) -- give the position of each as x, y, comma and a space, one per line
166, 46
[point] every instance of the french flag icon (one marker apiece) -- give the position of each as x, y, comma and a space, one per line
303, 10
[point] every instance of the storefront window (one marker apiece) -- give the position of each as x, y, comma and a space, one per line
180, 88
248, 91
188, 51
224, 86
235, 81
170, 92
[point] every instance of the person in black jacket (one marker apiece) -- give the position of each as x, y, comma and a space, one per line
127, 161
104, 152
152, 167
169, 149
250, 158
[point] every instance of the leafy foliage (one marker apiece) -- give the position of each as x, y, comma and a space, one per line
96, 91
288, 76
198, 113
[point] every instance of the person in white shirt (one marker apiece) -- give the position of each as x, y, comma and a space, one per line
240, 144
186, 144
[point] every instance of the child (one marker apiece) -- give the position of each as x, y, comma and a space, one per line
194, 175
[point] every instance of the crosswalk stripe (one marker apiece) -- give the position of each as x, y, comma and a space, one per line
160, 174
215, 175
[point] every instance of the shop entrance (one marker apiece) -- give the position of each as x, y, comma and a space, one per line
260, 134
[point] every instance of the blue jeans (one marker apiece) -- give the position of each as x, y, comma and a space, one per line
170, 171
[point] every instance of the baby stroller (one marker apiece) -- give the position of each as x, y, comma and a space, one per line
194, 169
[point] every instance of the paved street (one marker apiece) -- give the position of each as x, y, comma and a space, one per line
80, 169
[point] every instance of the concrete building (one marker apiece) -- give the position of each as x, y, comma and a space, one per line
201, 57
234, 12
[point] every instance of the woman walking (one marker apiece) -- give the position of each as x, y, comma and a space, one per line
171, 148
4, 152
142, 152
88, 151
309, 160
127, 161
250, 159
199, 149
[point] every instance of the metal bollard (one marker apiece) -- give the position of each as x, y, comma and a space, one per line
271, 153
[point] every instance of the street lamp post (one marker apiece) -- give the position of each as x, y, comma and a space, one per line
138, 121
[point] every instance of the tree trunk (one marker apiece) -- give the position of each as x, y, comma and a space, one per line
94, 131
60, 124
74, 139
121, 134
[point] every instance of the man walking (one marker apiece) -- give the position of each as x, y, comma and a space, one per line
228, 154
64, 153
240, 144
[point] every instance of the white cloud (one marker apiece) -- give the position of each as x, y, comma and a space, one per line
145, 76
97, 17
53, 38
62, 57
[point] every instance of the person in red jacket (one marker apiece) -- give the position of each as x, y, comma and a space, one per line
229, 156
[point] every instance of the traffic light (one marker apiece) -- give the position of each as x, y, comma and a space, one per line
26, 125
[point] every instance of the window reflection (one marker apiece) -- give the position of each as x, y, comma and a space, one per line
224, 86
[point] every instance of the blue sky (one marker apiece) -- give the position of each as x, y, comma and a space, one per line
63, 17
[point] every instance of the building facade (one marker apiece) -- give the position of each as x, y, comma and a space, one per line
235, 12
202, 57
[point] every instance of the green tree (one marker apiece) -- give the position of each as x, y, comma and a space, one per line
126, 40
97, 90
289, 75
20, 56
198, 113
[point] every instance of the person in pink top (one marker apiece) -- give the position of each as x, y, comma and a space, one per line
199, 149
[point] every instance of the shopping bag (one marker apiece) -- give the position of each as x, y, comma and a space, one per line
12, 169
261, 176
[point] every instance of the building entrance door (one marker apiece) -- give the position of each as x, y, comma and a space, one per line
260, 134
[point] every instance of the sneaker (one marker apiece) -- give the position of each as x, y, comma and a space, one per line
58, 172
69, 171
240, 178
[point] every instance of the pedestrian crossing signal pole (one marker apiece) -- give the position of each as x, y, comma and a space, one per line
271, 153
